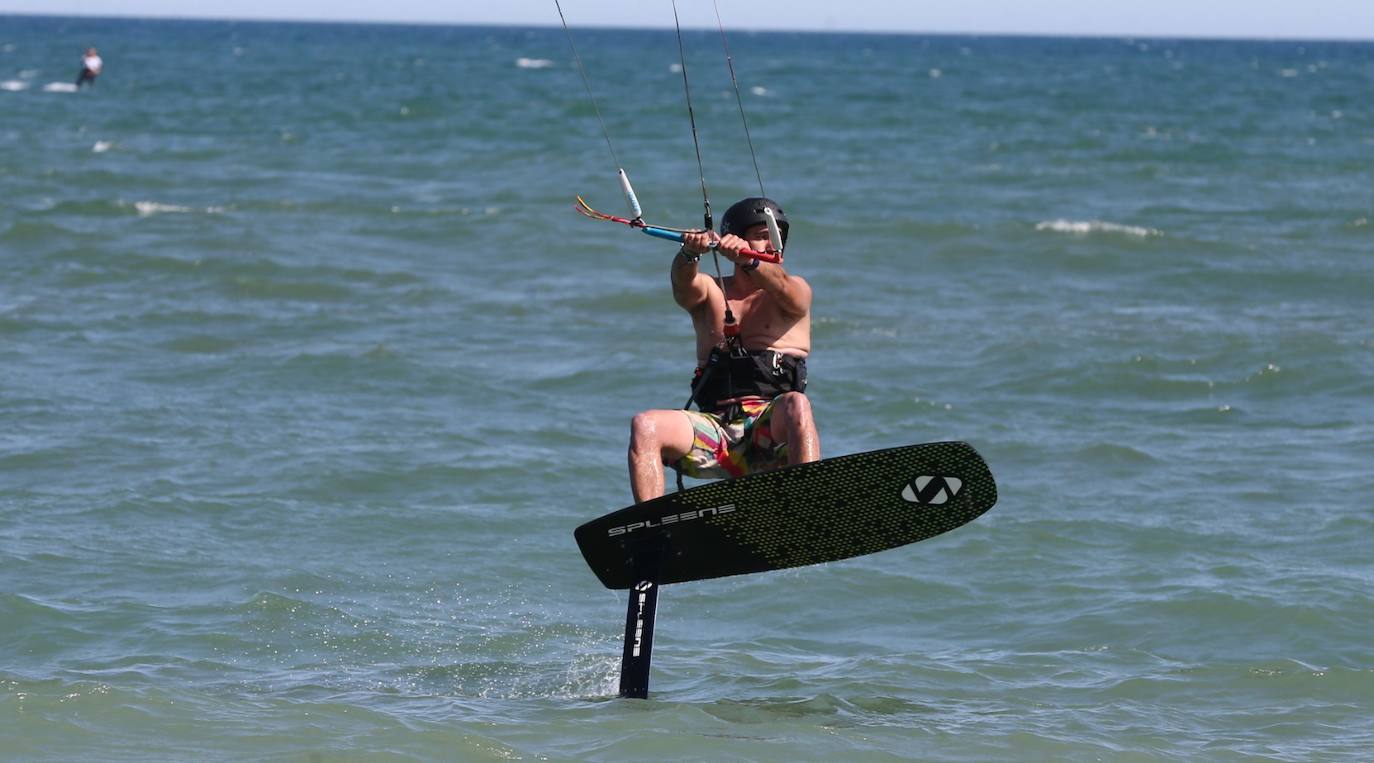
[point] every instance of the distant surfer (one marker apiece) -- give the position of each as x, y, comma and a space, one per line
749, 384
90, 68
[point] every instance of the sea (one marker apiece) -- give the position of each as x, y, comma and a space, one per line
309, 370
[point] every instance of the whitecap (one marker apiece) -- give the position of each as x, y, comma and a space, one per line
59, 87
936, 74
1088, 227
101, 146
757, 90
675, 68
14, 85
147, 208
533, 63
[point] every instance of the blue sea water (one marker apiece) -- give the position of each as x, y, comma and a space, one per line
308, 370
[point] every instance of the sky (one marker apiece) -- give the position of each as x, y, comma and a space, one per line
1333, 19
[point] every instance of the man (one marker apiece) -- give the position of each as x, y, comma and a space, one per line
750, 379
90, 68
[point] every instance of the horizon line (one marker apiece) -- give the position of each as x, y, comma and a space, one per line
1200, 37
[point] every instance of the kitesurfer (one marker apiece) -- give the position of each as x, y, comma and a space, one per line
751, 376
90, 68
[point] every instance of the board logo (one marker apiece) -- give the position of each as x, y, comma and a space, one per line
669, 519
642, 595
931, 491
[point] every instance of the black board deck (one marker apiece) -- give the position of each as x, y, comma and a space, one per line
823, 511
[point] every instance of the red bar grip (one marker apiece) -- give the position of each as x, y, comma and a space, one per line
772, 257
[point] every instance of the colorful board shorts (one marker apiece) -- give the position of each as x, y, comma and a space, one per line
735, 446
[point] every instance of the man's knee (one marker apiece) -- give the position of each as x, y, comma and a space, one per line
666, 434
796, 407
644, 430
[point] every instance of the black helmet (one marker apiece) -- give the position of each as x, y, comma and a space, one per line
746, 213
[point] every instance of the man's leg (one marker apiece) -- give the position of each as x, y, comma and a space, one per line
656, 438
792, 424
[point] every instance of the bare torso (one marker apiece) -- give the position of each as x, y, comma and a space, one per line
763, 323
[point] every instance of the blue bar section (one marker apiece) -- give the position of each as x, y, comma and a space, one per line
665, 234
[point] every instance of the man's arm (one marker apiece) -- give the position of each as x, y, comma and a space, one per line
791, 293
691, 287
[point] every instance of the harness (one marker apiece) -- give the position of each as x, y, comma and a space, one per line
732, 372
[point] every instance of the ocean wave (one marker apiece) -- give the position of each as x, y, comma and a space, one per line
59, 87
533, 63
14, 85
1089, 227
149, 208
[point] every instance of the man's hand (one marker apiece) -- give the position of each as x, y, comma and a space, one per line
698, 243
731, 245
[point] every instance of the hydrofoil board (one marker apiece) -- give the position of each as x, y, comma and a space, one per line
823, 511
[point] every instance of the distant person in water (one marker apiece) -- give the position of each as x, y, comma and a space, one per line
90, 68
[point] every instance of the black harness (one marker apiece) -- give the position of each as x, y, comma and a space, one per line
734, 372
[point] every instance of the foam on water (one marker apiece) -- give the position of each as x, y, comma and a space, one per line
149, 208
1088, 227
